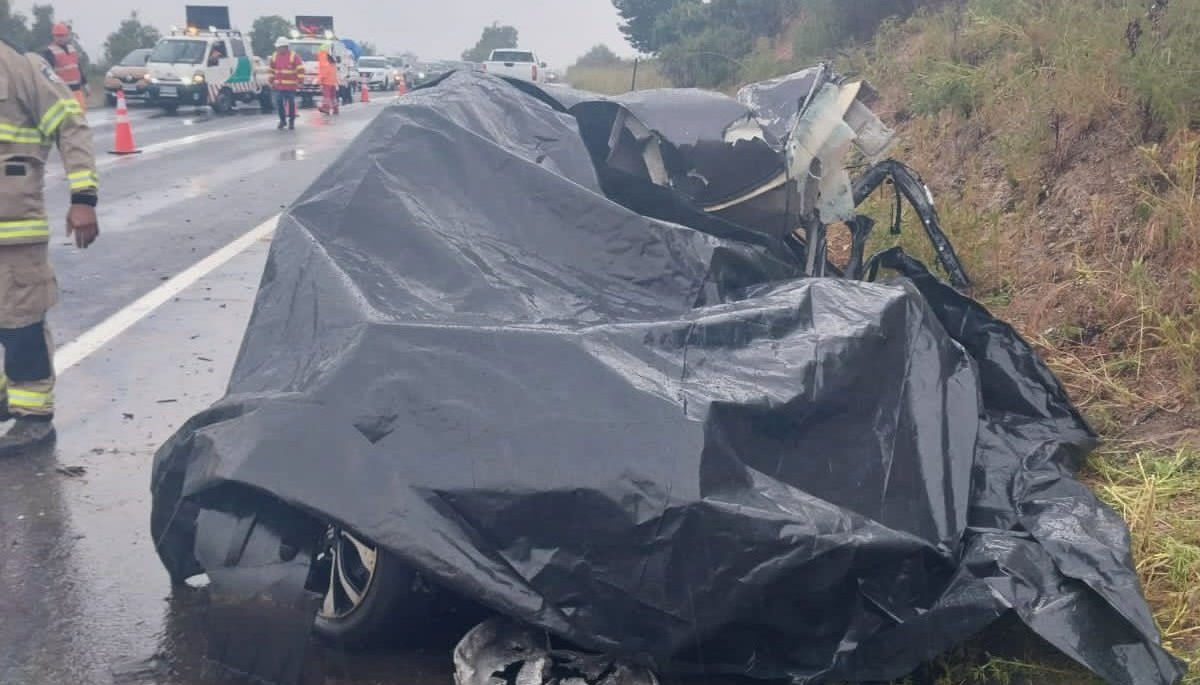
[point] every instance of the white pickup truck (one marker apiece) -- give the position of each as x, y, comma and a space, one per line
522, 64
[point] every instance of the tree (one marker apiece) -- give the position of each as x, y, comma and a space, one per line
43, 27
706, 59
495, 37
640, 20
683, 22
703, 42
598, 56
761, 17
131, 35
14, 27
265, 30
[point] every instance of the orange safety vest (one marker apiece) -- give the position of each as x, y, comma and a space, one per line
66, 65
328, 70
286, 71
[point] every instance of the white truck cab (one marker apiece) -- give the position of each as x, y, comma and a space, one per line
198, 68
349, 81
514, 63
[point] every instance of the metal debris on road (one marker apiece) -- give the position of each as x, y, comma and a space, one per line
501, 652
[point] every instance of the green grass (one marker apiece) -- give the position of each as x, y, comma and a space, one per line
1158, 493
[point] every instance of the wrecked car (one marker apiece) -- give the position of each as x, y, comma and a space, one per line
583, 363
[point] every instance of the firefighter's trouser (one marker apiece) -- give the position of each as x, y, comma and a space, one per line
28, 379
28, 289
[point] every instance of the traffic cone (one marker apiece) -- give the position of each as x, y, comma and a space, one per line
123, 145
401, 88
366, 94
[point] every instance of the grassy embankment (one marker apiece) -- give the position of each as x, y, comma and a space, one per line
616, 78
1066, 161
1066, 164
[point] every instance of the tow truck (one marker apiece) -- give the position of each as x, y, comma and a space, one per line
310, 35
208, 63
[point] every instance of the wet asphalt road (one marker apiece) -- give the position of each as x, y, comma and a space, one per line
83, 598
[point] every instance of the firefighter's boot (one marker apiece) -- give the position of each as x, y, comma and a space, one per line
25, 434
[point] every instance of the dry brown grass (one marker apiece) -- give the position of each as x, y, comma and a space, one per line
617, 78
1068, 174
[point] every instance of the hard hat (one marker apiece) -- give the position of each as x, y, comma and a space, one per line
281, 42
61, 29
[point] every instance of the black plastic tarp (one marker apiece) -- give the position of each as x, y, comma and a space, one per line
649, 441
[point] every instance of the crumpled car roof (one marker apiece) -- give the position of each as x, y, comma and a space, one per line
650, 440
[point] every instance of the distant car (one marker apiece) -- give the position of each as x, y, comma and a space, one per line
399, 68
427, 72
520, 64
377, 73
130, 76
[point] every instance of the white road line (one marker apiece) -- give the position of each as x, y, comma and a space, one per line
183, 142
106, 331
104, 160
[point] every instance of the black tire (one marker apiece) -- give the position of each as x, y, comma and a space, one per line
171, 110
265, 102
306, 101
110, 100
224, 103
393, 609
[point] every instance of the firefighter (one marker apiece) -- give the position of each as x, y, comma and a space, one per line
64, 57
38, 112
327, 74
286, 70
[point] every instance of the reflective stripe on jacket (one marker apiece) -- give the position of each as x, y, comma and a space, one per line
38, 113
286, 70
66, 65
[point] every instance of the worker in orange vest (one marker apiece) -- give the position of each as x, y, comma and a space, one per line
286, 71
327, 74
64, 57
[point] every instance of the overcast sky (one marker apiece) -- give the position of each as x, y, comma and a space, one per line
559, 30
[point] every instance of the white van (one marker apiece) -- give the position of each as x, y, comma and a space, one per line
198, 68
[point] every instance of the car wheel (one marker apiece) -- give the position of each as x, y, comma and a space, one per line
370, 595
110, 99
171, 110
224, 103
